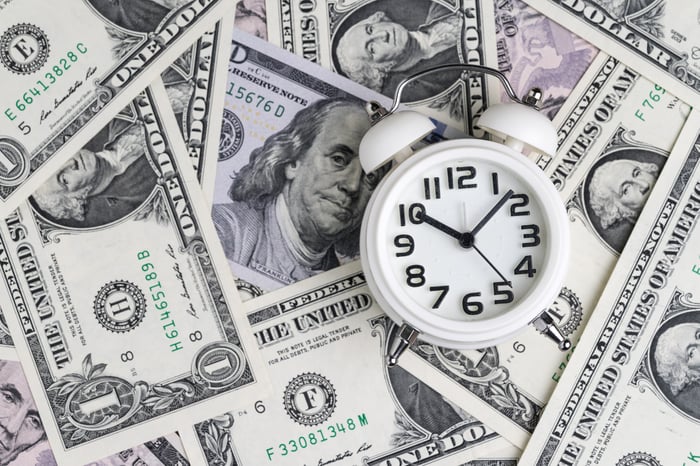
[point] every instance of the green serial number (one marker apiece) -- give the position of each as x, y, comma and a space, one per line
158, 298
316, 437
50, 78
252, 97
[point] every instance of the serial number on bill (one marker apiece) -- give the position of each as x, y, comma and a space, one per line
317, 437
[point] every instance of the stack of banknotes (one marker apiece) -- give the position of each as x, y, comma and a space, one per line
180, 203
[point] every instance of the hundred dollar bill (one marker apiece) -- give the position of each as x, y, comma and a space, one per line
659, 38
377, 43
612, 148
631, 393
122, 309
23, 438
535, 52
66, 72
334, 398
289, 192
196, 83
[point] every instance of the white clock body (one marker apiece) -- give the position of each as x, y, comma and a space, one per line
457, 289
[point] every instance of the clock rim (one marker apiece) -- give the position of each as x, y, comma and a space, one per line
483, 332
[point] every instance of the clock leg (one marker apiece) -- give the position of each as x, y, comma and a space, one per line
400, 342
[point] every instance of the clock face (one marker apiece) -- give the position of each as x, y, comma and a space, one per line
465, 236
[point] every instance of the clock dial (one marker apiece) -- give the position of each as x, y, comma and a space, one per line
465, 238
465, 241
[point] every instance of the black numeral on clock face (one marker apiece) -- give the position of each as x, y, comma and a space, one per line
415, 212
457, 177
464, 174
517, 208
415, 275
504, 290
431, 186
531, 233
405, 243
470, 305
494, 182
525, 267
443, 289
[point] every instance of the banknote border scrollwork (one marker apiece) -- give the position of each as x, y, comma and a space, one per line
14, 151
493, 388
215, 440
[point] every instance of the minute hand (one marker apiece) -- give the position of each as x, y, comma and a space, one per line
492, 212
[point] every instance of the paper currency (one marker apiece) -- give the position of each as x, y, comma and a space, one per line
611, 149
335, 400
534, 51
121, 305
62, 83
658, 38
251, 17
289, 192
7, 349
376, 44
637, 364
23, 439
196, 83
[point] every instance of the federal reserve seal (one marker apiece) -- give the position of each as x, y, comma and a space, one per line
120, 306
309, 399
231, 135
24, 48
638, 459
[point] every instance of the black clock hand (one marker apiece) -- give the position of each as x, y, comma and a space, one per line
493, 266
492, 212
439, 225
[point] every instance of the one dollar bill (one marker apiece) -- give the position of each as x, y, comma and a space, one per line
334, 398
658, 38
122, 310
638, 362
62, 83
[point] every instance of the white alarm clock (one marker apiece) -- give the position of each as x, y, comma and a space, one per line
464, 242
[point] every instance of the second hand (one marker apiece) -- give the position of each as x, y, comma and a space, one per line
493, 266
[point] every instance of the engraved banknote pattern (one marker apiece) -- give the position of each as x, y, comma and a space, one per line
117, 290
62, 84
636, 364
322, 414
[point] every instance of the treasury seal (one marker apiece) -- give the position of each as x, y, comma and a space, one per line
119, 306
24, 48
231, 138
309, 399
638, 459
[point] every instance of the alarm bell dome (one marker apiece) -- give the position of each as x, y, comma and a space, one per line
392, 136
519, 125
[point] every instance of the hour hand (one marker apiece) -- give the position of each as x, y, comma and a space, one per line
424, 217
